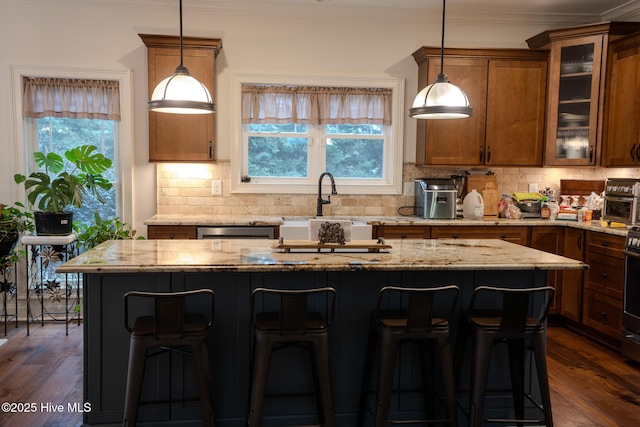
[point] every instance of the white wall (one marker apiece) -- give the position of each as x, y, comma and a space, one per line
104, 35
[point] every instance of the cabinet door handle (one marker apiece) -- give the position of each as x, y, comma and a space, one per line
580, 241
632, 153
590, 153
210, 149
638, 152
481, 154
604, 275
489, 154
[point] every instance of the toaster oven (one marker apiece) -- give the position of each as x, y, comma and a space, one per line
622, 201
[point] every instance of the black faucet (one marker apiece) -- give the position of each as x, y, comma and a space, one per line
321, 201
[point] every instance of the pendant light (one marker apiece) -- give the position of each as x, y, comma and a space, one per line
181, 93
441, 99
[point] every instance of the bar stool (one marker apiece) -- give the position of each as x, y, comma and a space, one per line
291, 322
506, 316
416, 322
170, 328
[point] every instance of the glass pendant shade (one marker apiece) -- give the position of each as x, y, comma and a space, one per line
181, 94
441, 100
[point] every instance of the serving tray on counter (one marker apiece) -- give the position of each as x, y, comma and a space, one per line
373, 245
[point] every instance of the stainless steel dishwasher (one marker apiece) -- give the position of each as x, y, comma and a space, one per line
235, 232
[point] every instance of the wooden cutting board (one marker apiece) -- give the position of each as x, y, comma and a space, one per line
479, 182
491, 197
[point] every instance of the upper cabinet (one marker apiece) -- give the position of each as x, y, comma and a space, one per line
622, 131
181, 137
576, 97
506, 88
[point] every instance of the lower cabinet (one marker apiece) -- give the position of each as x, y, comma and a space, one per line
402, 231
603, 283
573, 247
519, 235
551, 239
171, 232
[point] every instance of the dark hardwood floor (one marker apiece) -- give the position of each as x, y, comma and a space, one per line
591, 385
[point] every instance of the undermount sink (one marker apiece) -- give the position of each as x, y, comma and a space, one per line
298, 229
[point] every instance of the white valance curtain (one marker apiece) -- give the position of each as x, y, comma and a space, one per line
72, 98
315, 105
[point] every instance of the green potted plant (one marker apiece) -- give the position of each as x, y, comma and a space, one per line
102, 230
14, 220
63, 182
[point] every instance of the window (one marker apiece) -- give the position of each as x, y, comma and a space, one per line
48, 130
287, 140
58, 134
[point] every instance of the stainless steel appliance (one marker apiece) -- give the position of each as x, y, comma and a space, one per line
631, 302
235, 232
435, 198
622, 200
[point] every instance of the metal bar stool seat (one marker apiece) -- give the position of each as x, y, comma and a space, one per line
168, 329
518, 324
291, 323
416, 323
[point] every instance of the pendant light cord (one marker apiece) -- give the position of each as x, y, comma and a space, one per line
181, 63
444, 6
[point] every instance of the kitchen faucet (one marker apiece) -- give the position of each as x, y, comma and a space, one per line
321, 201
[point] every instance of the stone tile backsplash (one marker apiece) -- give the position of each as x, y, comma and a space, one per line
187, 190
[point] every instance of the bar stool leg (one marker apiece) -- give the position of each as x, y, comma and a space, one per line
370, 356
479, 372
539, 351
448, 375
135, 375
261, 360
320, 356
201, 357
386, 369
516, 365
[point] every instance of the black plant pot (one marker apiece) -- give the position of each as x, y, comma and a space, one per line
7, 243
53, 224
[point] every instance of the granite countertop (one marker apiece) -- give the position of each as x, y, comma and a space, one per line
213, 220
144, 256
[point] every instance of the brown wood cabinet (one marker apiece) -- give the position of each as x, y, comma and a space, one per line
551, 239
573, 247
519, 235
622, 128
171, 232
506, 88
603, 283
181, 137
402, 231
576, 97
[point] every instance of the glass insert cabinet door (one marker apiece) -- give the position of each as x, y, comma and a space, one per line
574, 102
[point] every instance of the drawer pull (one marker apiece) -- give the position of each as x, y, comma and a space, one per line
604, 275
404, 236
171, 236
602, 313
605, 244
503, 236
455, 236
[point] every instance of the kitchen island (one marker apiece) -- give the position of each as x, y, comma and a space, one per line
232, 268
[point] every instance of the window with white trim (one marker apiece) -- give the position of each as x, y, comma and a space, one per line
292, 132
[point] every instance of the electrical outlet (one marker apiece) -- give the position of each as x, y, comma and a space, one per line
533, 187
216, 188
